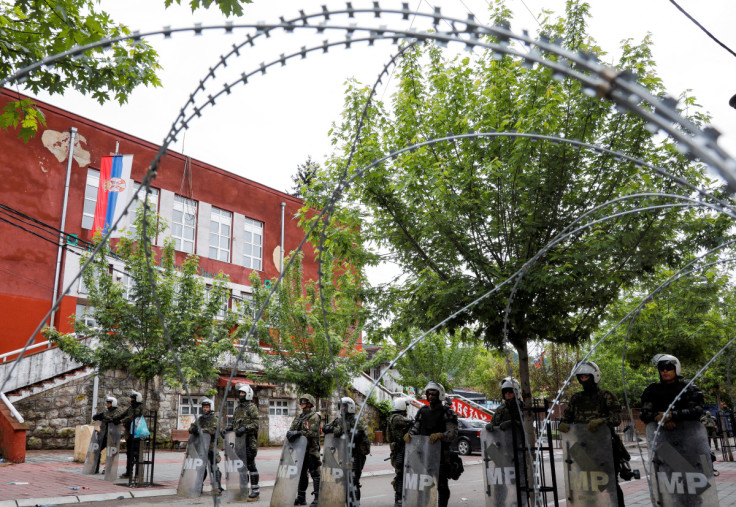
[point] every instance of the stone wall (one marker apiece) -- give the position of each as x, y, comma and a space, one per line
53, 415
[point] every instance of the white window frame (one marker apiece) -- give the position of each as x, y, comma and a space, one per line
225, 306
221, 227
187, 208
91, 186
278, 407
82, 314
152, 201
253, 244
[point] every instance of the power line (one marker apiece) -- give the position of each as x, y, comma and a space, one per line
702, 27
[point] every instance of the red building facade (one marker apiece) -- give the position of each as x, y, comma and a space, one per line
233, 224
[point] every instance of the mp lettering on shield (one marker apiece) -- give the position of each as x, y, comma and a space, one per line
233, 465
192, 463
501, 475
691, 483
287, 471
418, 482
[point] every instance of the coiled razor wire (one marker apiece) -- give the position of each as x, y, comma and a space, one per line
598, 80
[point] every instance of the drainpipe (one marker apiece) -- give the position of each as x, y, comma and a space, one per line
95, 390
281, 267
72, 136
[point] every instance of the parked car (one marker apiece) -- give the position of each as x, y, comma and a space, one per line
468, 436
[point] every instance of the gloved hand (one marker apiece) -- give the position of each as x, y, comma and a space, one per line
194, 429
504, 425
490, 427
669, 425
240, 431
407, 438
564, 427
660, 416
327, 428
97, 417
434, 437
116, 421
293, 435
594, 423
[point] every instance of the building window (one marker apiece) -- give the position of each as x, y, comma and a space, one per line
278, 407
84, 315
220, 225
253, 244
244, 305
152, 201
90, 198
224, 302
127, 282
184, 224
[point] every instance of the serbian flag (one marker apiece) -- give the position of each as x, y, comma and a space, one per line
114, 192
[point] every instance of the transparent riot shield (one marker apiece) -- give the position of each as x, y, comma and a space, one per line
114, 432
500, 469
236, 473
682, 471
421, 472
287, 475
94, 450
195, 463
333, 490
590, 475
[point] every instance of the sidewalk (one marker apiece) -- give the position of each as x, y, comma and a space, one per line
52, 478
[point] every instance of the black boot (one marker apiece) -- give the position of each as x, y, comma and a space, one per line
315, 481
301, 498
255, 489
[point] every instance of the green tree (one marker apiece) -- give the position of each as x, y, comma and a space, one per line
299, 345
127, 330
441, 357
302, 180
691, 319
462, 217
31, 30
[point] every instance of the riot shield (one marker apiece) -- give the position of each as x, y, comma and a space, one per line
114, 432
287, 475
500, 471
195, 463
421, 472
682, 472
333, 489
93, 453
236, 473
590, 475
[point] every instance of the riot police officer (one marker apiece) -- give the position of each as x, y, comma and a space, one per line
207, 423
107, 416
361, 447
658, 396
596, 407
511, 408
132, 444
307, 424
438, 422
245, 424
397, 426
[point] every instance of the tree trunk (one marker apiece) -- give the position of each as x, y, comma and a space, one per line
526, 395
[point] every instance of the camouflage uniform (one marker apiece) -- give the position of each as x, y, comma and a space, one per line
132, 445
105, 417
245, 419
658, 396
439, 419
308, 423
362, 446
207, 423
508, 411
595, 403
398, 425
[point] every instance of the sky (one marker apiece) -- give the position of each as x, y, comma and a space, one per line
263, 130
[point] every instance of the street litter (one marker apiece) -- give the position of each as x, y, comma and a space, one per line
18, 483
